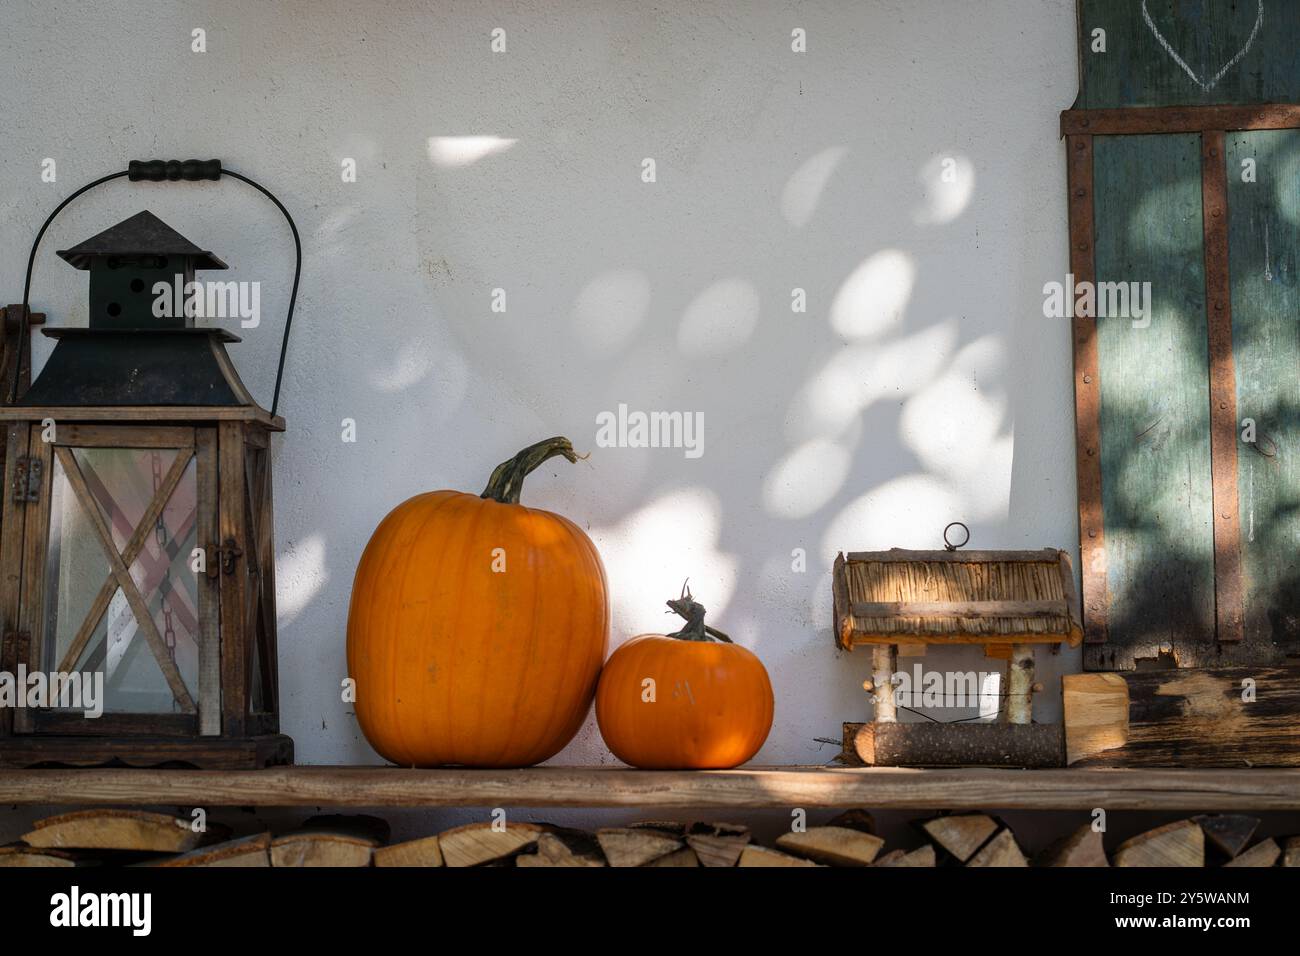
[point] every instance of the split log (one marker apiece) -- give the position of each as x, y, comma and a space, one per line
1174, 844
1263, 853
1192, 718
321, 848
115, 830
961, 835
755, 855
1001, 851
1228, 832
1096, 714
1083, 847
1291, 852
635, 846
567, 848
840, 846
963, 744
477, 843
923, 856
246, 851
683, 857
27, 856
421, 852
717, 844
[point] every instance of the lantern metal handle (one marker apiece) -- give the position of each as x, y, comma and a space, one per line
167, 170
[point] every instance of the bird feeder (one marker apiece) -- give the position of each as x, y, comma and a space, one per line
1008, 602
137, 571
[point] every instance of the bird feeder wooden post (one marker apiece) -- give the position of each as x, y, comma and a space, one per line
1009, 602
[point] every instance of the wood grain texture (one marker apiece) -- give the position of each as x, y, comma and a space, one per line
1001, 851
115, 830
1263, 240
1203, 718
1264, 853
206, 753
635, 846
421, 852
1223, 402
1087, 393
1083, 847
151, 414
249, 851
1155, 427
1175, 844
1200, 790
1096, 714
1241, 52
31, 600
754, 855
1227, 832
12, 534
232, 526
477, 843
841, 846
1174, 119
960, 835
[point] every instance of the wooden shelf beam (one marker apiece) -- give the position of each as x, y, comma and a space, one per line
873, 788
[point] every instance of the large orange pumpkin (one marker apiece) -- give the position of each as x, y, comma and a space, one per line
709, 706
477, 626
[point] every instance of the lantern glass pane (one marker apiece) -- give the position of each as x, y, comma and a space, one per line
122, 484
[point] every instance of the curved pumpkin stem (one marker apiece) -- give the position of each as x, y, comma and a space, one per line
695, 629
508, 477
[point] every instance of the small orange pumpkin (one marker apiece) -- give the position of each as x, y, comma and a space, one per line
710, 706
477, 626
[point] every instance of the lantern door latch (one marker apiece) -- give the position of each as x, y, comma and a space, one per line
221, 560
27, 480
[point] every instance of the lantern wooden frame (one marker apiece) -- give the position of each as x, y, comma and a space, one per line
230, 720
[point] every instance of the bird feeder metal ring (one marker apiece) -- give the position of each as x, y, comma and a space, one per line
949, 545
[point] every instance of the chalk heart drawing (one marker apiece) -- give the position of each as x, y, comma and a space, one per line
1205, 85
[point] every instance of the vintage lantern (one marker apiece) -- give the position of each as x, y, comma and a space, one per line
137, 587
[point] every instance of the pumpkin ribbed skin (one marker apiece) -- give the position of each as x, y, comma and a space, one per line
458, 664
712, 707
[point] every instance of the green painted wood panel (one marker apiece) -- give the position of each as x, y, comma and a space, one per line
1263, 239
1189, 52
1155, 421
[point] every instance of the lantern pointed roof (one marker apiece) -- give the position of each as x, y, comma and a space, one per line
143, 234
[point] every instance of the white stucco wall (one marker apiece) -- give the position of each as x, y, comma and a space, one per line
922, 384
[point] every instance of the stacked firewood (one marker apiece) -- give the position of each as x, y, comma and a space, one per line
137, 838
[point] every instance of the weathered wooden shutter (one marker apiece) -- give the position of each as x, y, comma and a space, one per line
1184, 171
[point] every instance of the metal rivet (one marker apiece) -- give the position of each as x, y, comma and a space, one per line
1081, 193
1223, 404
1218, 307
1079, 146
1092, 534
1092, 451
1214, 213
1087, 380
1083, 247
